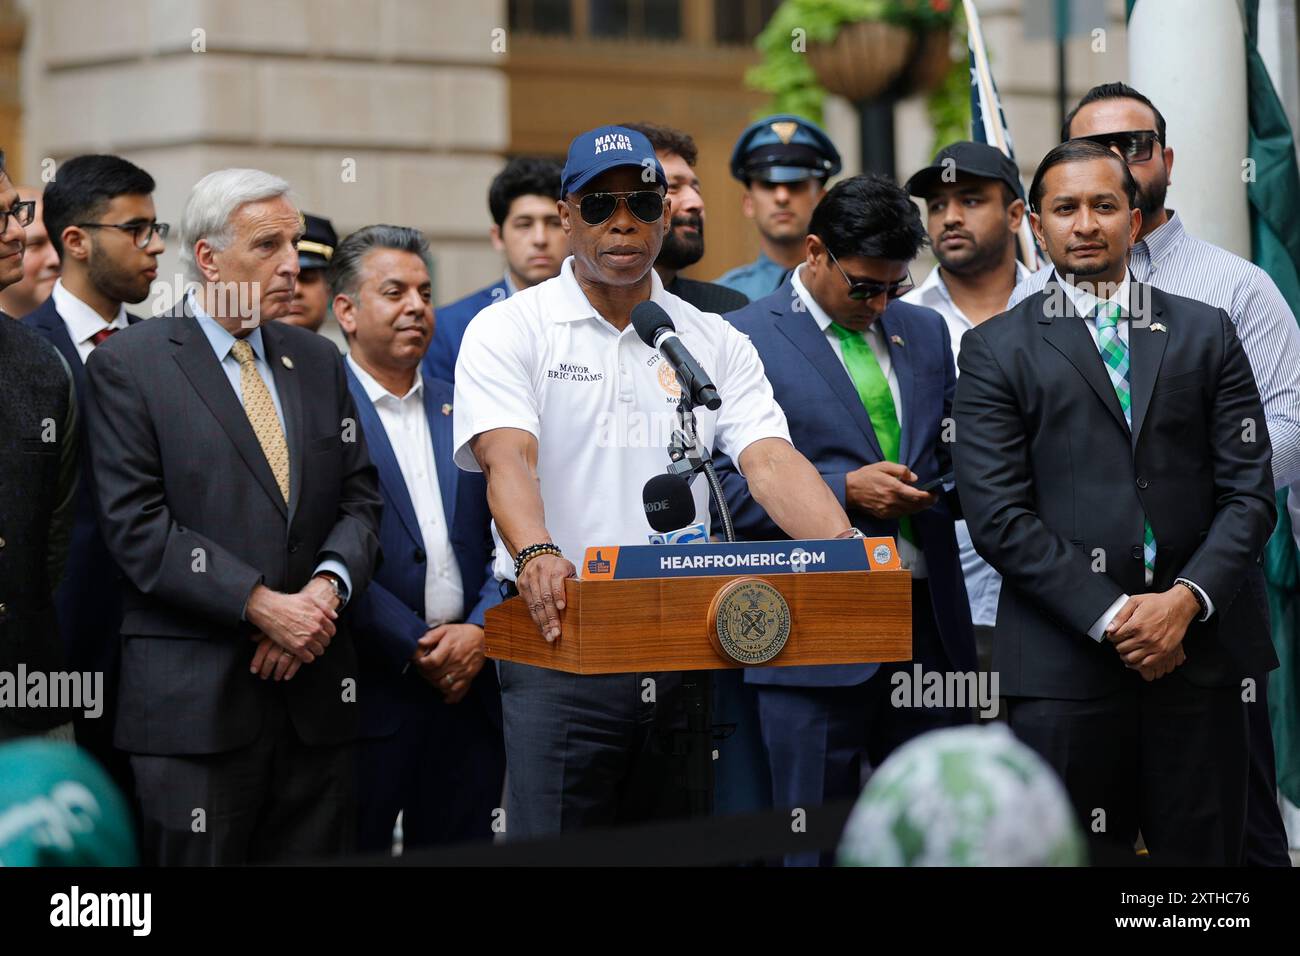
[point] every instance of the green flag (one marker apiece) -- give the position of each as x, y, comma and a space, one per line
1274, 194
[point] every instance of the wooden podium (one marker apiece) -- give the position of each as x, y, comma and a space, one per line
612, 626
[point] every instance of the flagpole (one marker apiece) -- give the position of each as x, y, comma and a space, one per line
991, 118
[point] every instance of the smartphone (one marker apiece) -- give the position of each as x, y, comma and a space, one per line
936, 484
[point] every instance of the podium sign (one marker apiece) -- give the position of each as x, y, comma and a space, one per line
784, 604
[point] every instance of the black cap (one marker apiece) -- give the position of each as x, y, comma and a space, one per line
971, 159
316, 247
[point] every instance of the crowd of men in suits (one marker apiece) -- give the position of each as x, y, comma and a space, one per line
282, 558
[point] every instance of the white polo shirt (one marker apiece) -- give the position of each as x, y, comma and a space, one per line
601, 404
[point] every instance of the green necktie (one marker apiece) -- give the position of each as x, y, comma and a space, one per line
873, 389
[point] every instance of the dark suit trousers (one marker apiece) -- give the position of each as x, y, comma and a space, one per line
275, 801
588, 750
822, 742
443, 769
1167, 758
1267, 843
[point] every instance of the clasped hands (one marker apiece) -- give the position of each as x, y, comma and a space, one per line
1148, 630
292, 629
449, 657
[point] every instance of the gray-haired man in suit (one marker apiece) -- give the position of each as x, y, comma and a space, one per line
237, 496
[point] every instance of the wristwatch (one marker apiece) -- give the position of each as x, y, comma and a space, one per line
333, 582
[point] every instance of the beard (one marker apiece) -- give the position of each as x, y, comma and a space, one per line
1151, 199
977, 258
113, 283
680, 251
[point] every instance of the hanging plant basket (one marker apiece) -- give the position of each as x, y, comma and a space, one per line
932, 62
863, 60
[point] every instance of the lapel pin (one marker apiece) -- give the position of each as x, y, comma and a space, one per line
288, 362
446, 409
1158, 327
897, 340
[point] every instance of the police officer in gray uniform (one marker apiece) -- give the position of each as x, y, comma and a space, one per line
784, 162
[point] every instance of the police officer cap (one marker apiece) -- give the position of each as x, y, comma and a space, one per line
784, 149
316, 247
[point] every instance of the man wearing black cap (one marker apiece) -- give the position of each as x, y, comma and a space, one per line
974, 203
554, 392
784, 162
311, 293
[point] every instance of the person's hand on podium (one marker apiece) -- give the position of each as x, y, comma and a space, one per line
541, 585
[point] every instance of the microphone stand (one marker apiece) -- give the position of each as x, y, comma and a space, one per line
695, 743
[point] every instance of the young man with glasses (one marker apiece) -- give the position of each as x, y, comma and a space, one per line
866, 383
1170, 259
100, 217
40, 264
568, 413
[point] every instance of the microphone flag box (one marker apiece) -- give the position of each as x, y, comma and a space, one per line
717, 558
691, 534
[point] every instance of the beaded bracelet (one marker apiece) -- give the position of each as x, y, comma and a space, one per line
533, 550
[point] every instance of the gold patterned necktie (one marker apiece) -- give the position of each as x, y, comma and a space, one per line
260, 409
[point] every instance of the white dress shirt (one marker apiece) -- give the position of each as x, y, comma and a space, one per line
81, 321
909, 554
983, 584
407, 428
1084, 304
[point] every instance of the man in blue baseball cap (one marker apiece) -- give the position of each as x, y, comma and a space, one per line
568, 413
784, 162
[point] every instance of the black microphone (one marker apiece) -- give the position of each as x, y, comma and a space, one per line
668, 502
656, 330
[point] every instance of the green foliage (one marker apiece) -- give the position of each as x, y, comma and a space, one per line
786, 76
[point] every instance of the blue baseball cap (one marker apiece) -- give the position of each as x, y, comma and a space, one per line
604, 148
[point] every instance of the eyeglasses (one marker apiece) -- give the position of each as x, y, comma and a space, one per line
141, 232
1135, 145
646, 204
24, 214
864, 291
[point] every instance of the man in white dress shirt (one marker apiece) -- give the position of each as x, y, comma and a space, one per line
974, 204
430, 711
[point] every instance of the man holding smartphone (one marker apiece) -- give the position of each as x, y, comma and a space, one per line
866, 383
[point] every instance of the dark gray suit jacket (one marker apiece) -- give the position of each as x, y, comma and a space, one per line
1054, 485
191, 513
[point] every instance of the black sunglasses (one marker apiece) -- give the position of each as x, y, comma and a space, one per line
866, 290
1135, 145
646, 204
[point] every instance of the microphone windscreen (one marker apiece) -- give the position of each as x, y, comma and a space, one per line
648, 318
668, 502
